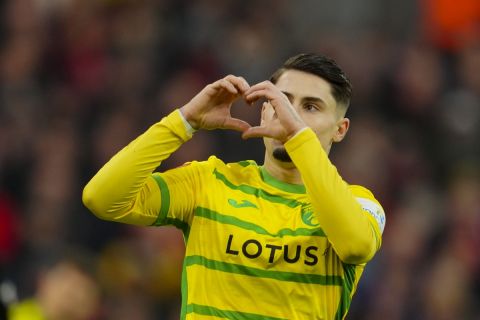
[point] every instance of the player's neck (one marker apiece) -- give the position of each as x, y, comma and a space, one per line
285, 172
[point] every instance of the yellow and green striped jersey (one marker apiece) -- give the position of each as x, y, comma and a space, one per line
256, 247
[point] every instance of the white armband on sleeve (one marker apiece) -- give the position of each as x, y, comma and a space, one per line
188, 126
375, 210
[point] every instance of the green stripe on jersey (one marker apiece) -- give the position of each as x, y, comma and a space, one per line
228, 314
288, 187
246, 163
259, 193
262, 273
164, 198
184, 292
179, 224
231, 220
347, 287
162, 218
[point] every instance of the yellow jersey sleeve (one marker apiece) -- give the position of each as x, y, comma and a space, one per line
179, 191
352, 231
370, 206
124, 190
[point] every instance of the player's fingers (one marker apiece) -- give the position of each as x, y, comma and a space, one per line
225, 85
245, 84
236, 124
239, 82
251, 101
258, 94
260, 86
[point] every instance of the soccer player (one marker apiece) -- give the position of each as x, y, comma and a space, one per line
288, 239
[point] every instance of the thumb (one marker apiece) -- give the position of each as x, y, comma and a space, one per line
257, 132
236, 124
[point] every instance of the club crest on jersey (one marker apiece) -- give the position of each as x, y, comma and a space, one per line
307, 215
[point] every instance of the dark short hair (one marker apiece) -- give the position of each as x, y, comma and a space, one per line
323, 67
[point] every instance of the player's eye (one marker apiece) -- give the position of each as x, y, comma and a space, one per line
310, 107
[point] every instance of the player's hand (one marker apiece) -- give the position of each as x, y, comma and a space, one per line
284, 124
210, 108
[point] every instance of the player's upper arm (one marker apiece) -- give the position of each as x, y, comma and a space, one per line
179, 191
372, 209
145, 207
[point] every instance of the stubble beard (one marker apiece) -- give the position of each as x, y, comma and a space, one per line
281, 155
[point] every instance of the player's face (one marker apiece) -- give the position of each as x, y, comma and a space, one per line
311, 97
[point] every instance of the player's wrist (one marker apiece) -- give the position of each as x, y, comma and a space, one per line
189, 118
295, 132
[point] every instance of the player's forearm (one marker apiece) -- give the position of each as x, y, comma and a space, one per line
339, 214
112, 192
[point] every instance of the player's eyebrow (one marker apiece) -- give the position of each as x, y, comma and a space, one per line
289, 95
305, 99
314, 100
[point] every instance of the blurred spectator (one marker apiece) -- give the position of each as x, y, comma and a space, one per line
451, 24
66, 290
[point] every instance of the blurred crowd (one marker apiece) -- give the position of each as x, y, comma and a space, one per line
79, 79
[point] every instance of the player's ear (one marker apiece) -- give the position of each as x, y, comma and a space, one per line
342, 127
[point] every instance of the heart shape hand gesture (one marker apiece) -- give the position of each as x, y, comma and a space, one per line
211, 109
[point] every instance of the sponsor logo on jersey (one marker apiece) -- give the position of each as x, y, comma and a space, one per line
244, 204
374, 210
307, 215
253, 249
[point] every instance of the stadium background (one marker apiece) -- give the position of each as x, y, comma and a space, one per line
81, 78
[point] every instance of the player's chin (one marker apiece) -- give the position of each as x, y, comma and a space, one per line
281, 154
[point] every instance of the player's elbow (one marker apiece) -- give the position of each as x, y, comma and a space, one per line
94, 202
359, 251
